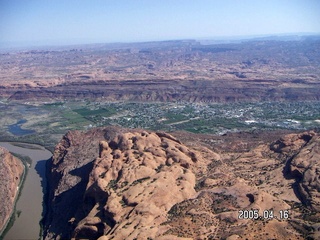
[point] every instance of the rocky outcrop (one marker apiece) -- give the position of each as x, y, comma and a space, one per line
305, 167
302, 165
11, 172
137, 178
112, 183
125, 191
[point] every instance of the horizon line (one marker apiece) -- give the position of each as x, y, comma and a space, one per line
15, 45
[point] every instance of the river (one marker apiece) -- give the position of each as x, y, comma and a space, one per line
16, 129
30, 203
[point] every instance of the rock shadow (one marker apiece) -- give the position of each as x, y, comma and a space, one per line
41, 168
67, 205
298, 177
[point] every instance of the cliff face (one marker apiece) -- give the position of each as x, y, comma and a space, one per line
175, 90
304, 166
112, 183
68, 174
11, 171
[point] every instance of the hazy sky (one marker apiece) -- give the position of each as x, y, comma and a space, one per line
81, 21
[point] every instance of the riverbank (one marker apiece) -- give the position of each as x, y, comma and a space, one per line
30, 200
36, 145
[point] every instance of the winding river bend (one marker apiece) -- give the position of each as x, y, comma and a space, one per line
27, 226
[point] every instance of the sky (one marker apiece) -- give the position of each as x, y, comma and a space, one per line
41, 22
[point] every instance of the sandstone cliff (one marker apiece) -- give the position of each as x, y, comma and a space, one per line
11, 171
173, 90
112, 183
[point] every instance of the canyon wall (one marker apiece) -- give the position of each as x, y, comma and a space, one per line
11, 172
173, 90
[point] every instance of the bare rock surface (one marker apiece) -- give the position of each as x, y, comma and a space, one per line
11, 171
112, 183
263, 178
138, 179
305, 168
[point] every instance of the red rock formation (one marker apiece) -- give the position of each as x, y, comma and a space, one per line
11, 171
135, 179
111, 183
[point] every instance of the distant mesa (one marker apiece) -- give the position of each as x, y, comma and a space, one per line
189, 70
